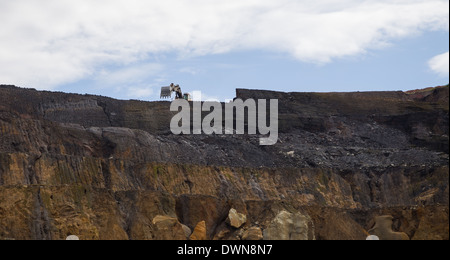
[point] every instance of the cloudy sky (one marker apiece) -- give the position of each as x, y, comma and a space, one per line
128, 49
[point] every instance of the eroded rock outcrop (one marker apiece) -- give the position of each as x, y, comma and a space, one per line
101, 168
383, 229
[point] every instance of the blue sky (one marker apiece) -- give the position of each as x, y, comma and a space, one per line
128, 49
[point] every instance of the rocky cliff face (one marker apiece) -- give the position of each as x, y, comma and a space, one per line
101, 168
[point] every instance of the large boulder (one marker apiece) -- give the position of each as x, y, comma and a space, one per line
199, 231
253, 233
168, 228
236, 219
383, 229
290, 226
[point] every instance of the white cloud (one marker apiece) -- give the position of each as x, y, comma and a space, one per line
134, 81
140, 92
130, 75
440, 64
51, 42
191, 70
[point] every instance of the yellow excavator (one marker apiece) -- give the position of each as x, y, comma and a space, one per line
166, 92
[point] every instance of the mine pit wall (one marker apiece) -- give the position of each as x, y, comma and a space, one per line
116, 199
101, 168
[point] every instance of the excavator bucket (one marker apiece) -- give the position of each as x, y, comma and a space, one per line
165, 92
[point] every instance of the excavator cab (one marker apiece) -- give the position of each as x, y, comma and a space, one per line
187, 96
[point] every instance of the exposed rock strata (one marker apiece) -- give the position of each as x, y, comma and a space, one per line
101, 168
